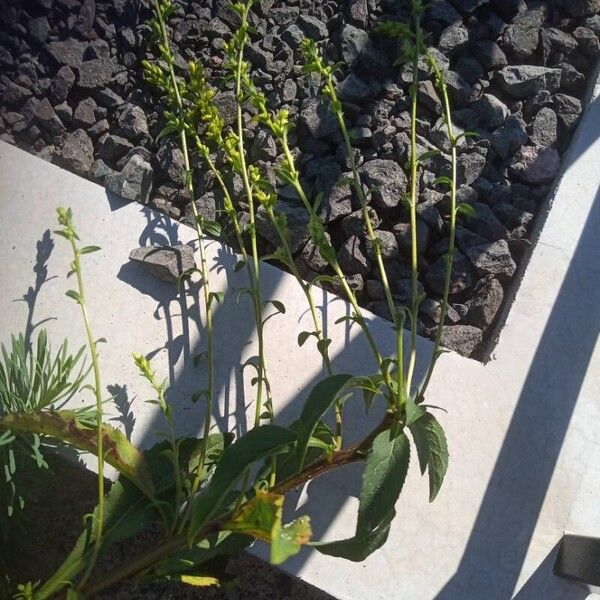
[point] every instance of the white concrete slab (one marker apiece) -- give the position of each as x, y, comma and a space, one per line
523, 429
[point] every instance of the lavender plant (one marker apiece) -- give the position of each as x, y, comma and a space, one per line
200, 493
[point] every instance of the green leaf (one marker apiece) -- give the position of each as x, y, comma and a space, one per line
429, 154
89, 249
382, 482
432, 449
261, 518
211, 227
74, 295
239, 265
413, 411
359, 547
322, 397
258, 443
218, 297
64, 425
466, 209
323, 345
383, 478
168, 130
287, 539
464, 134
443, 180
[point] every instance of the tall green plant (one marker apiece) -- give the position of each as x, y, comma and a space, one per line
196, 490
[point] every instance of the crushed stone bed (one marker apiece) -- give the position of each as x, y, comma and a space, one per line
72, 92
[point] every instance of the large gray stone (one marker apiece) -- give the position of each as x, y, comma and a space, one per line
167, 263
493, 258
134, 182
77, 152
521, 81
536, 165
387, 179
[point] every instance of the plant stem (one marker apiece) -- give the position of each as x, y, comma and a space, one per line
203, 262
306, 289
253, 241
414, 313
331, 92
350, 295
98, 394
452, 237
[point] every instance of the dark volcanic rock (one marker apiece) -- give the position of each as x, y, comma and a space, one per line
317, 119
351, 257
95, 73
134, 182
463, 275
492, 259
72, 91
77, 152
47, 119
544, 130
485, 303
67, 52
388, 180
387, 243
297, 222
535, 165
464, 339
62, 83
13, 93
525, 80
132, 122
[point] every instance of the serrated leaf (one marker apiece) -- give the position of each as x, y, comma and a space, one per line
432, 449
258, 443
360, 546
413, 411
383, 479
382, 482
